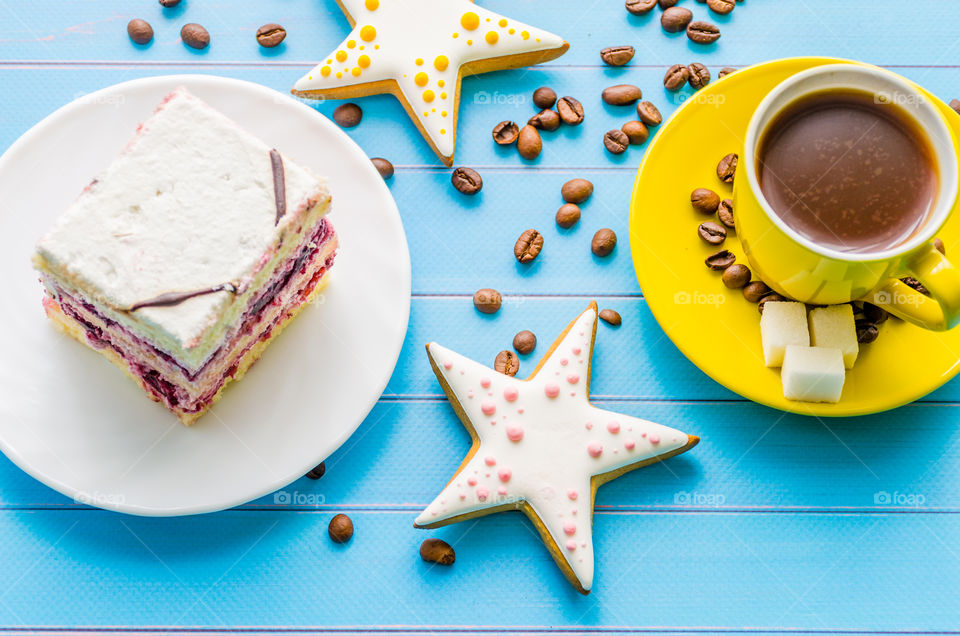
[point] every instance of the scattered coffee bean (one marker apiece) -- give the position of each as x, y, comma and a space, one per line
270, 35
726, 70
639, 7
568, 215
769, 298
675, 78
621, 94
437, 551
571, 111
528, 246
725, 213
736, 276
727, 167
666, 4
617, 55
340, 528
722, 7
611, 317
704, 200
544, 97
525, 342
195, 36
506, 363
616, 141
546, 119
529, 143
939, 246
649, 114
347, 115
487, 301
466, 180
702, 32
699, 75
675, 19
636, 132
874, 314
603, 242
140, 31
913, 283
576, 190
756, 290
317, 471
384, 167
867, 332
720, 261
169, 4
712, 233
955, 104
506, 133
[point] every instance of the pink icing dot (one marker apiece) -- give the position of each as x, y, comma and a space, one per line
504, 474
520, 411
572, 494
569, 527
589, 425
576, 351
447, 365
463, 495
472, 481
654, 438
470, 393
564, 362
490, 460
485, 383
552, 390
514, 433
573, 378
595, 449
571, 545
482, 493
488, 408
613, 427
629, 444
501, 491
510, 394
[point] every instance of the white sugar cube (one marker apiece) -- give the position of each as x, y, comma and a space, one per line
782, 324
812, 374
834, 327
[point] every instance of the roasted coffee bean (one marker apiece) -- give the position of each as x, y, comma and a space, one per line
621, 94
939, 246
874, 314
867, 332
529, 143
955, 104
756, 290
140, 31
437, 551
639, 7
712, 233
720, 261
736, 276
611, 317
725, 213
699, 75
544, 97
506, 133
617, 55
528, 246
702, 32
769, 298
675, 19
270, 35
722, 7
487, 301
726, 70
727, 167
466, 180
347, 115
506, 363
384, 167
636, 132
546, 119
195, 36
169, 3
704, 200
317, 471
340, 528
666, 4
913, 283
576, 190
525, 342
571, 111
649, 114
568, 215
616, 141
603, 242
676, 77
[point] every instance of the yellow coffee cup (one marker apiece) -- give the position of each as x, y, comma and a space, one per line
798, 267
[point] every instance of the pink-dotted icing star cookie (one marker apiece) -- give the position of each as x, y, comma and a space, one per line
541, 447
418, 50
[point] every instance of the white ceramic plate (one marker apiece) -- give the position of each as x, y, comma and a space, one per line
75, 422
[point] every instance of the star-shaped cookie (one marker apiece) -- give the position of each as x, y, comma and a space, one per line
418, 50
540, 446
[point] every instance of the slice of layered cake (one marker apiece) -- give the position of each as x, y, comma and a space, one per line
188, 255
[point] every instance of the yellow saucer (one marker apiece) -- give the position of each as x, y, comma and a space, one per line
715, 327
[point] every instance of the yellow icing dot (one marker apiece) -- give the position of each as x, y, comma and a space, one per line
428, 95
525, 35
421, 79
443, 95
456, 35
443, 113
469, 42
376, 47
325, 71
443, 131
470, 21
512, 31
339, 74
502, 22
441, 63
418, 61
356, 71
341, 56
538, 39
329, 61
491, 37
368, 33
372, 5
364, 61
441, 83
309, 77
351, 44
488, 19
426, 114
362, 47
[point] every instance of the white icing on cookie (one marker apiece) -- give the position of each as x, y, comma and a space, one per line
422, 44
541, 442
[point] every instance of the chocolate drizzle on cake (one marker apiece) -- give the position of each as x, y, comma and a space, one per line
279, 184
175, 298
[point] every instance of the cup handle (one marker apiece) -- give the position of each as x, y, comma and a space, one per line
939, 312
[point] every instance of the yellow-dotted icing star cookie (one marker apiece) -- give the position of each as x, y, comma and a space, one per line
418, 50
540, 446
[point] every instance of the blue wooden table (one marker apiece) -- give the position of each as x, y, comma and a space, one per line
774, 523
